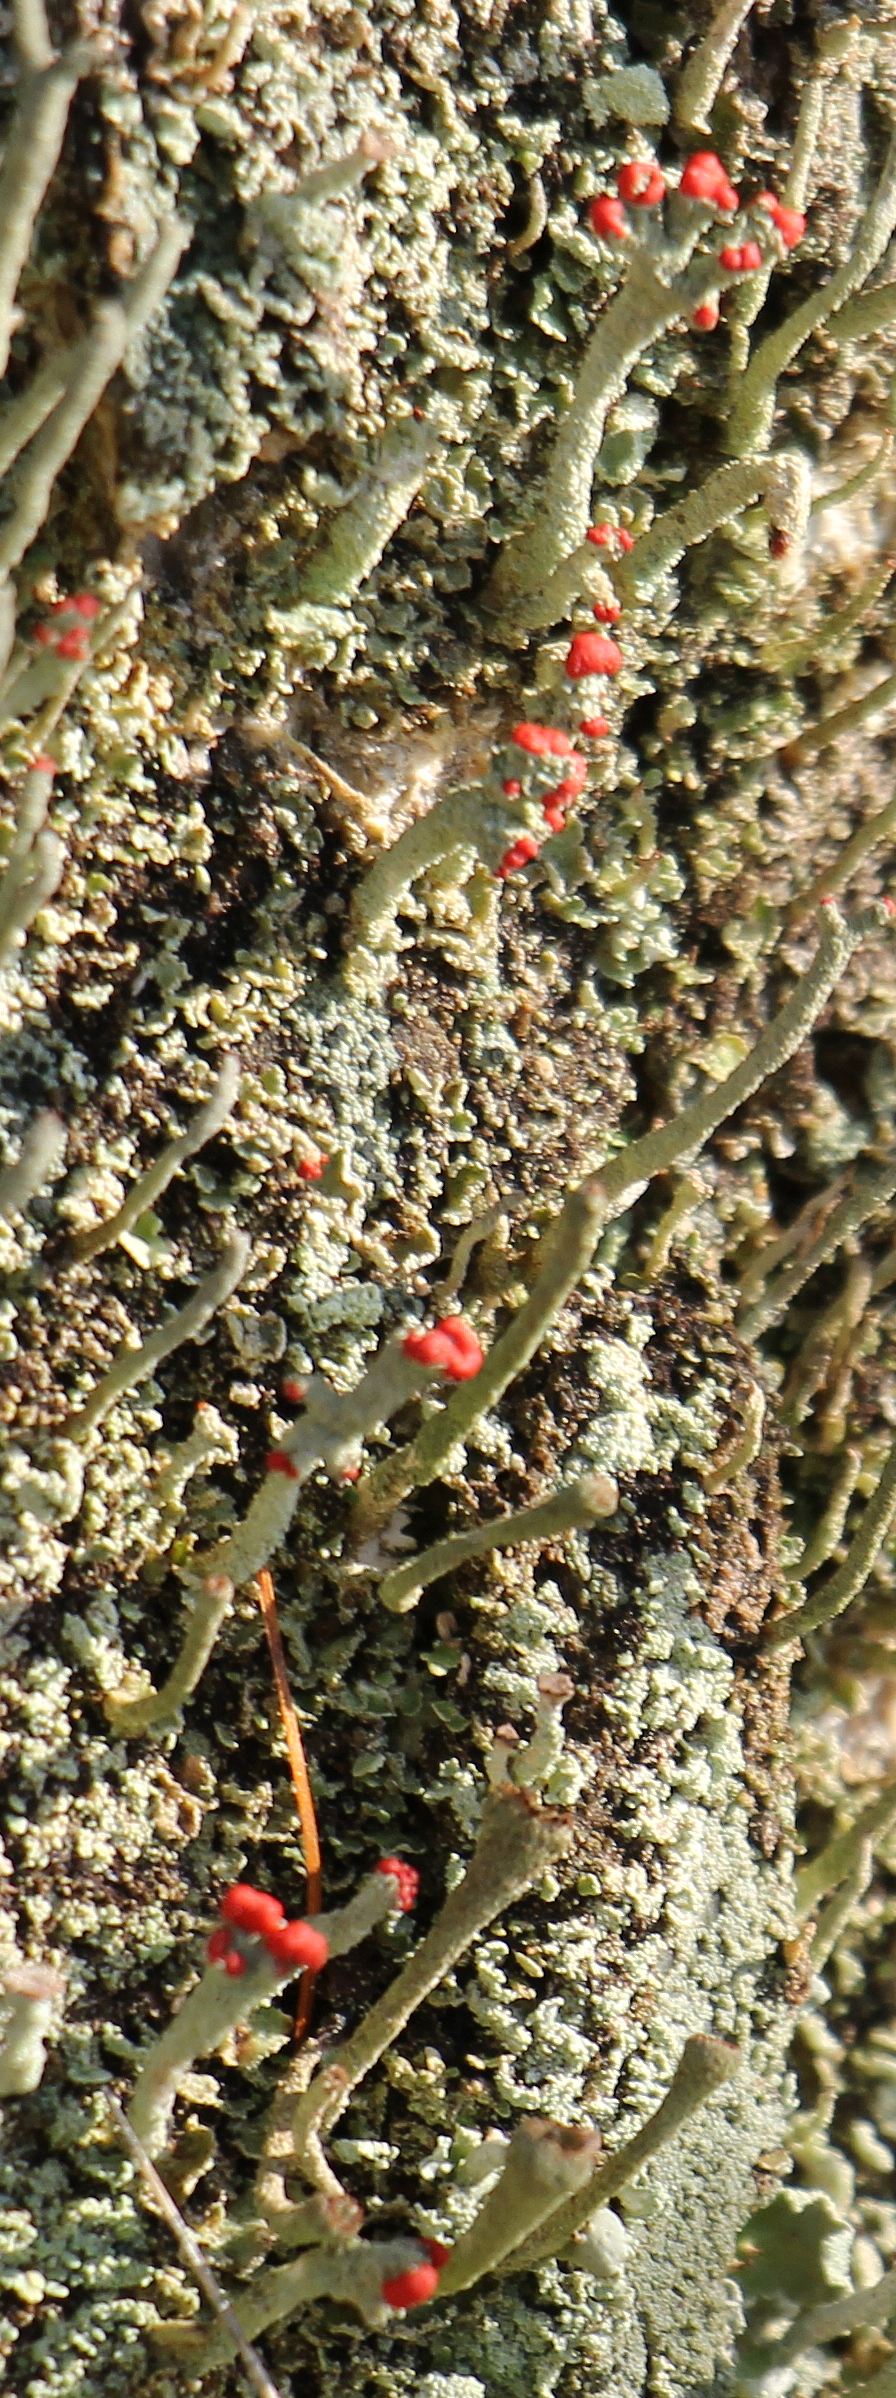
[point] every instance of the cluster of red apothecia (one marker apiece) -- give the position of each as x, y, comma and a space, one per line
295, 1946
65, 627
588, 654
450, 1346
641, 184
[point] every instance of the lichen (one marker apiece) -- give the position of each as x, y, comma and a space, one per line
288, 506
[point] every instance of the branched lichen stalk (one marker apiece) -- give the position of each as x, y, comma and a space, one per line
133, 1365
841, 1908
189, 2247
750, 424
643, 309
571, 1247
209, 1120
39, 1161
545, 2164
41, 876
836, 2319
845, 1585
698, 85
518, 1841
94, 362
32, 154
847, 719
705, 2064
870, 1192
840, 1855
217, 2003
572, 1238
836, 876
576, 1506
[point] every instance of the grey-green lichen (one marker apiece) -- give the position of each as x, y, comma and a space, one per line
357, 188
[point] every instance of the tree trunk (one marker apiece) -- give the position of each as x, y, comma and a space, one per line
334, 507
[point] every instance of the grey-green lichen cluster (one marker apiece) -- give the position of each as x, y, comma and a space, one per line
335, 418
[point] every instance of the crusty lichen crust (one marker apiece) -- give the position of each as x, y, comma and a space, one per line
308, 511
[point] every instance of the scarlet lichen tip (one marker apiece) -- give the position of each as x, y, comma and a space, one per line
293, 1392
412, 2288
234, 1964
607, 611
640, 181
519, 854
278, 1462
603, 535
607, 218
542, 740
594, 727
298, 1946
254, 1911
592, 653
706, 317
451, 1345
743, 260
45, 765
790, 222
512, 789
311, 1168
704, 178
407, 1878
437, 2251
74, 644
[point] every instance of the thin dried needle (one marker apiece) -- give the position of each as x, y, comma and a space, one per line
189, 2248
298, 1767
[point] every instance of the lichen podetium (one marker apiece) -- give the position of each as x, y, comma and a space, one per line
447, 1135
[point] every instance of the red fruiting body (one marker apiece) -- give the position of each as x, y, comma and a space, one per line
778, 542
790, 222
511, 789
554, 816
311, 1168
350, 1473
607, 611
216, 1948
640, 180
625, 539
595, 727
542, 740
436, 2251
293, 1391
742, 261
234, 1964
46, 765
407, 1878
43, 635
277, 1462
299, 1945
600, 535
254, 1911
890, 905
704, 178
607, 218
706, 317
411, 2288
519, 854
592, 653
85, 604
74, 644
451, 1345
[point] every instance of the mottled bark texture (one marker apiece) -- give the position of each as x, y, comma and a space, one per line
311, 506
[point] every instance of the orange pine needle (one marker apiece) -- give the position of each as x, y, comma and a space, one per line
298, 1768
